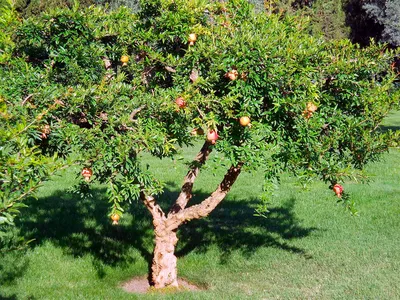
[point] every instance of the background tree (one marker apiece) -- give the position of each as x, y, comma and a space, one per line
327, 18
8, 22
387, 14
28, 8
355, 19
257, 89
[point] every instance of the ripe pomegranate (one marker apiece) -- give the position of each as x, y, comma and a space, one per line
212, 136
307, 114
311, 107
124, 59
244, 121
45, 131
180, 102
232, 74
192, 39
310, 110
87, 173
115, 218
338, 189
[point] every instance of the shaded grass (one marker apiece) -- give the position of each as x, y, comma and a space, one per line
78, 229
306, 248
391, 122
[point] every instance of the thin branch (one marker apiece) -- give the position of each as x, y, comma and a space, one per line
201, 113
208, 205
187, 187
107, 63
31, 190
135, 111
15, 248
27, 98
7, 207
170, 69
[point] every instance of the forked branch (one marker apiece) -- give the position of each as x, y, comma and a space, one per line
155, 210
208, 205
187, 187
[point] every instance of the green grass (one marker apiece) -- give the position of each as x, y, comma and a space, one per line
392, 120
307, 248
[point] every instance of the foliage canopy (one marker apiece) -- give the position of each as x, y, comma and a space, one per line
282, 68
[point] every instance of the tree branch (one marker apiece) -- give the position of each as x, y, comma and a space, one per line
170, 69
187, 187
208, 205
135, 111
155, 210
27, 98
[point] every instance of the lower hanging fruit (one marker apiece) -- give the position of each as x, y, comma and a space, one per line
115, 218
212, 136
338, 189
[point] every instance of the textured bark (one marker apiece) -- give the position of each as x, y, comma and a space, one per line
208, 205
187, 187
155, 210
163, 270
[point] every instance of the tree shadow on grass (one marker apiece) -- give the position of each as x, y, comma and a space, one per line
234, 227
13, 259
12, 297
12, 265
82, 226
384, 128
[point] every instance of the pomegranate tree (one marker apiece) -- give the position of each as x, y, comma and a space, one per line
314, 105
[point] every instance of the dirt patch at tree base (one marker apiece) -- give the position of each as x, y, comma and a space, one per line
140, 285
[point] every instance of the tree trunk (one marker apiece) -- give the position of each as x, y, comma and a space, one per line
163, 269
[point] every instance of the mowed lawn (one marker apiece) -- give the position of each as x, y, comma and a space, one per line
307, 247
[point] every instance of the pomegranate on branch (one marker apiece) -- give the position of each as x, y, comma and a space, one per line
180, 102
192, 39
338, 189
115, 218
87, 173
232, 74
244, 121
212, 136
124, 59
45, 131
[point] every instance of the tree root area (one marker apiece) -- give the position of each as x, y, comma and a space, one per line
140, 285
